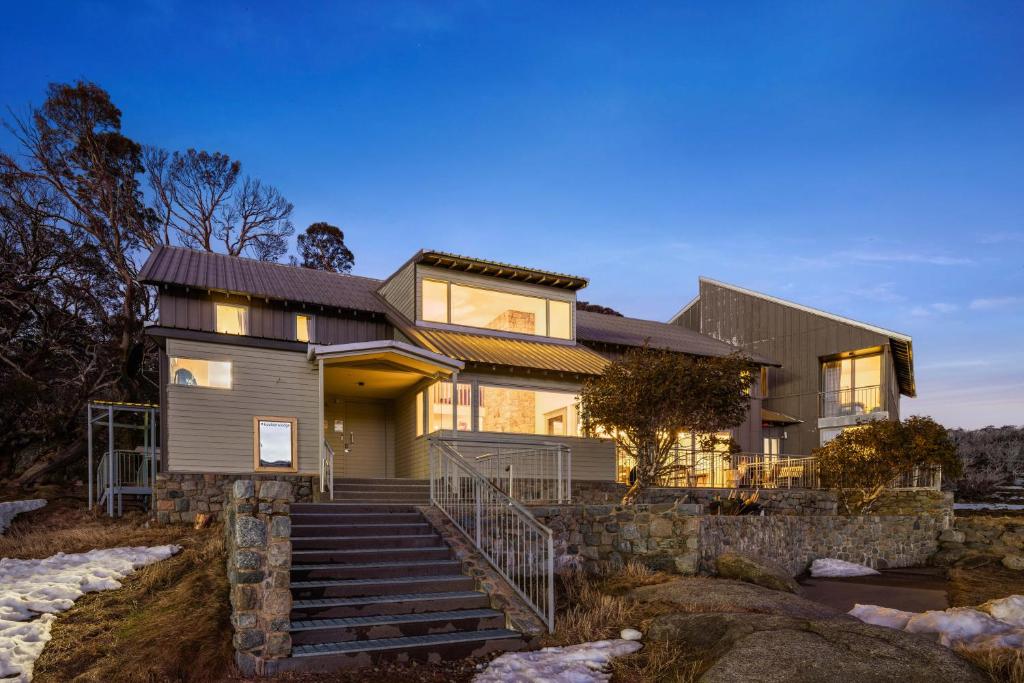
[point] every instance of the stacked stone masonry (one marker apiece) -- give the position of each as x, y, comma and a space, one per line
180, 496
982, 537
258, 534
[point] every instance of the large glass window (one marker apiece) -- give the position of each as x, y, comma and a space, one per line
493, 309
192, 372
439, 406
527, 411
851, 386
232, 319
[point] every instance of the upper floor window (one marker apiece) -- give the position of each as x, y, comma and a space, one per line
232, 318
851, 386
303, 327
193, 372
457, 304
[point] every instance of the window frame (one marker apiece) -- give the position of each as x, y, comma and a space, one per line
294, 467
310, 327
217, 305
478, 386
190, 387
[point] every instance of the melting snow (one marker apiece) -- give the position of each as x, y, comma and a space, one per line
10, 510
997, 623
32, 591
584, 663
831, 567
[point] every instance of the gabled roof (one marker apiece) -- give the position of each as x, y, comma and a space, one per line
468, 264
900, 343
622, 331
184, 267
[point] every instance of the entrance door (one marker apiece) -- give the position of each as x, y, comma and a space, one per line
364, 440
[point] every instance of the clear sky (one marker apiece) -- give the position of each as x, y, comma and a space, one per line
862, 157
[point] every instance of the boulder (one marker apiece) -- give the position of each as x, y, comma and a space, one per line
740, 568
1014, 561
701, 594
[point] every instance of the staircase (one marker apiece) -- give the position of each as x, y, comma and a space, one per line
372, 580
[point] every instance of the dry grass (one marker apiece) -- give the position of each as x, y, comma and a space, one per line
1003, 666
969, 587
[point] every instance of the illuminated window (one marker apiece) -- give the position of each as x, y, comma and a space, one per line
419, 413
439, 406
232, 319
192, 372
527, 411
275, 443
851, 386
435, 301
560, 323
303, 327
448, 302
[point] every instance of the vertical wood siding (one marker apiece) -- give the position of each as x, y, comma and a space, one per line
210, 430
400, 291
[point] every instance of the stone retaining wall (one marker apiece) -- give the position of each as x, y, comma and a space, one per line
180, 495
982, 537
258, 533
675, 537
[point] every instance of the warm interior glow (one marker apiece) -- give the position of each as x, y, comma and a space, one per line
303, 327
435, 301
851, 386
527, 411
560, 323
439, 405
419, 413
232, 319
200, 373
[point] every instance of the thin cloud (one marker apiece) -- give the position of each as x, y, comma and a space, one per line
930, 310
1002, 238
996, 303
927, 259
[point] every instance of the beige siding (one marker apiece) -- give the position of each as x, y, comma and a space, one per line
400, 291
210, 430
409, 451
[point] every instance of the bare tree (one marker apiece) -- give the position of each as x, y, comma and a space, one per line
202, 200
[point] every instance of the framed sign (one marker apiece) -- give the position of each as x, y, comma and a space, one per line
275, 444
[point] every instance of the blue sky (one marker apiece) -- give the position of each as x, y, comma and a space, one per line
862, 157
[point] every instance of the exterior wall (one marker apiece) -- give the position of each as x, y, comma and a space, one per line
410, 450
210, 430
195, 311
795, 338
400, 290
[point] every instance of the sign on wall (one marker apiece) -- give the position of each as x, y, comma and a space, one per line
275, 443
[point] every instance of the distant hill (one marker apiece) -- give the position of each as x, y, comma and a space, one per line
992, 456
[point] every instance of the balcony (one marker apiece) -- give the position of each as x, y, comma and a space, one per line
850, 402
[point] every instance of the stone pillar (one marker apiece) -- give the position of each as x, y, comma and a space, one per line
258, 529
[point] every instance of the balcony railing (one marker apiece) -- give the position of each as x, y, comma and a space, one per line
852, 401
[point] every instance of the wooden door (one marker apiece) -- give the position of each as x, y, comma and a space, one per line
364, 451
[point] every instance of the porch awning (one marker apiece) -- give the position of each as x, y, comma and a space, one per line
388, 352
775, 417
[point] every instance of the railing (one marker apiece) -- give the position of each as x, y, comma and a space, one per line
929, 477
776, 472
529, 473
130, 471
853, 401
508, 536
327, 470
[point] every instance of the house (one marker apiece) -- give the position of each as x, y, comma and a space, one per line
834, 373
265, 368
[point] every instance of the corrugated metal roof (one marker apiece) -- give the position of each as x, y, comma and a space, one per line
499, 269
518, 353
775, 416
237, 275
613, 329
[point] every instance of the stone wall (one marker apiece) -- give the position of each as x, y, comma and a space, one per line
179, 496
675, 537
258, 533
793, 542
980, 537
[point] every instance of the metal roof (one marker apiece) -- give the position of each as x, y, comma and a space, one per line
507, 271
237, 275
510, 352
621, 331
776, 417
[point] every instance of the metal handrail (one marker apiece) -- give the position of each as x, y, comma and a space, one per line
531, 473
505, 533
327, 470
850, 401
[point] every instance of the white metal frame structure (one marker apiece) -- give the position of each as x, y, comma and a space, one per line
122, 471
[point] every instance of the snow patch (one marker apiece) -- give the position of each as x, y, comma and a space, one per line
33, 591
996, 624
584, 663
830, 567
988, 506
630, 634
11, 509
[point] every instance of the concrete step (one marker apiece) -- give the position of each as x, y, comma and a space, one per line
342, 485
380, 569
348, 508
367, 530
354, 588
306, 518
343, 542
381, 496
393, 626
381, 554
360, 653
395, 603
371, 529
381, 482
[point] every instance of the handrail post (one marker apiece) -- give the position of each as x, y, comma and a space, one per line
477, 493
